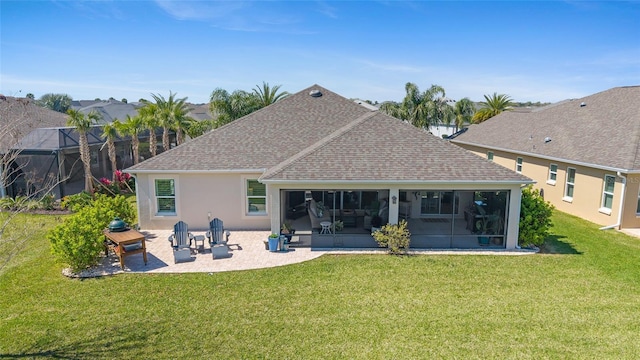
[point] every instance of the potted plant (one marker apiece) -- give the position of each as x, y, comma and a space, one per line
376, 223
337, 226
496, 227
287, 230
482, 226
273, 242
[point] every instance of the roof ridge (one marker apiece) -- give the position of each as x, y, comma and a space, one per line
318, 144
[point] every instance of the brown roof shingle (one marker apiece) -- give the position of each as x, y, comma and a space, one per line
604, 132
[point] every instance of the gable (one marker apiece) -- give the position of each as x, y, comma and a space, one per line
380, 148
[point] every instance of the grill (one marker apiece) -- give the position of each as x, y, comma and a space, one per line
117, 225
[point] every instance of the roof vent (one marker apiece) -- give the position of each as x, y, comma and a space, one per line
583, 104
315, 93
547, 139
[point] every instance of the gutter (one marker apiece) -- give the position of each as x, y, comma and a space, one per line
624, 184
548, 157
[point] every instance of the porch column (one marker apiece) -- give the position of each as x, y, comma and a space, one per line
513, 220
394, 205
273, 200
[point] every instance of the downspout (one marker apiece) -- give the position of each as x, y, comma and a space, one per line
624, 184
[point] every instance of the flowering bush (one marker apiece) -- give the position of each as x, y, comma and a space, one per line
122, 177
123, 182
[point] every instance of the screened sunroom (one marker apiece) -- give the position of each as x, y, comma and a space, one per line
437, 219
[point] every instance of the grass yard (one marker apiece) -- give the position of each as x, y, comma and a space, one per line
580, 300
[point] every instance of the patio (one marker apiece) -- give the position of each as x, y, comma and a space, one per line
247, 252
246, 248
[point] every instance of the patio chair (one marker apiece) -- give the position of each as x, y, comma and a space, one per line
217, 240
181, 242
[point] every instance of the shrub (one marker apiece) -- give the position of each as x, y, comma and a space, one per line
396, 237
76, 202
14, 204
47, 202
78, 242
535, 218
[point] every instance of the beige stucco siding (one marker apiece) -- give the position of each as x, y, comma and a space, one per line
197, 196
588, 188
631, 218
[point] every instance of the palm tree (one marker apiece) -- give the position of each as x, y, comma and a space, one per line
421, 109
492, 106
109, 133
267, 95
464, 110
83, 123
171, 114
227, 107
56, 102
132, 126
149, 115
394, 109
181, 122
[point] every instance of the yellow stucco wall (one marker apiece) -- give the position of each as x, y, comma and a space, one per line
588, 189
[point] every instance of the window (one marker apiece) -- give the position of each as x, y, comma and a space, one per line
553, 174
569, 184
607, 192
256, 198
490, 155
638, 206
519, 165
165, 196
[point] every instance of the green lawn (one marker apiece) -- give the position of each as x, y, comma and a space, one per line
580, 299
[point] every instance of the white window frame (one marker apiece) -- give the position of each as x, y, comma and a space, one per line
553, 174
246, 197
603, 209
567, 183
490, 155
519, 162
156, 212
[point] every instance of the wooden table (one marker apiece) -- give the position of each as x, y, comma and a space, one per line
118, 242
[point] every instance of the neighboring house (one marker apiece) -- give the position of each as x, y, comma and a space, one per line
316, 156
199, 112
108, 110
584, 154
19, 117
40, 153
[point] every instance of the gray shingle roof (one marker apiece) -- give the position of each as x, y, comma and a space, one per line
111, 110
605, 132
328, 138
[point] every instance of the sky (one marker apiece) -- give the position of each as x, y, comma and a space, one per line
544, 51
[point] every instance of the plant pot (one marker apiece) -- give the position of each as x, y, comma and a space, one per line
483, 240
288, 236
273, 244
